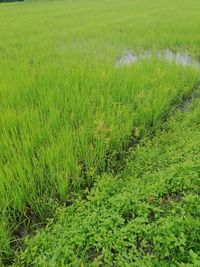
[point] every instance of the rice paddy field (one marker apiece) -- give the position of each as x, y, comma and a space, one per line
99, 133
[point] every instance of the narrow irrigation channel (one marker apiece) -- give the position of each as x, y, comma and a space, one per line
183, 104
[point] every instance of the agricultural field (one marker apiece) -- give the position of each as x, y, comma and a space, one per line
100, 133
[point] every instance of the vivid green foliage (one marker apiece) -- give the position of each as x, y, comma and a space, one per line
149, 215
67, 112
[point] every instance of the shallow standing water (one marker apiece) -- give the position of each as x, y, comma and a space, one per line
179, 58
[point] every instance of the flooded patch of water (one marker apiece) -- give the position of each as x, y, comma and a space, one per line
178, 58
127, 59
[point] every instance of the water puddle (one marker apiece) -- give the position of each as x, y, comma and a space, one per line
178, 58
127, 59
